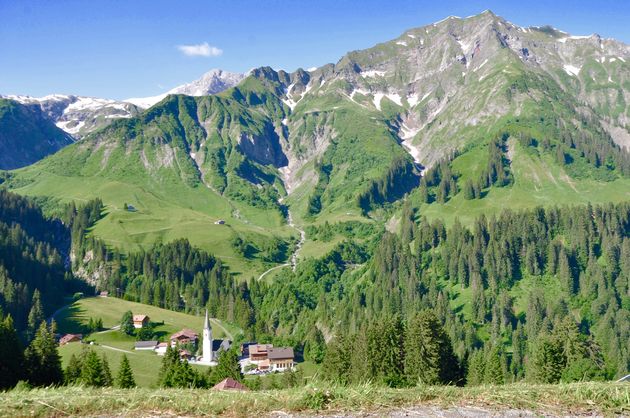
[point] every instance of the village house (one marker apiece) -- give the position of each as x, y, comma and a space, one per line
145, 345
140, 321
258, 352
160, 349
281, 359
185, 336
69, 338
244, 349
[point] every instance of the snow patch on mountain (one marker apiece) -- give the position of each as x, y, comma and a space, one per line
31, 100
571, 69
88, 103
402, 43
406, 135
413, 100
146, 102
71, 130
394, 97
372, 74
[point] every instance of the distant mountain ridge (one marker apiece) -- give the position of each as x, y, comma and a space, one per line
81, 115
212, 82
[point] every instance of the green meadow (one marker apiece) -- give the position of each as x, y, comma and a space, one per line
114, 344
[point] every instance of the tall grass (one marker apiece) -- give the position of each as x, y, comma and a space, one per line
565, 399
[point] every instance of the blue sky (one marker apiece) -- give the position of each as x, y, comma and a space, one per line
120, 49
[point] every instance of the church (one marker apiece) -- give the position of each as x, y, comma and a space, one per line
211, 348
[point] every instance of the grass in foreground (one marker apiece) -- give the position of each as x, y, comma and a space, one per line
565, 399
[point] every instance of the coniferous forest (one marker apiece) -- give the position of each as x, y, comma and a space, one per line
541, 295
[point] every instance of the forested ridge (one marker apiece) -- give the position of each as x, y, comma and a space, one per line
34, 262
498, 288
541, 295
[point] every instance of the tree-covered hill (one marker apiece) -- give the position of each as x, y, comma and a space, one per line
26, 135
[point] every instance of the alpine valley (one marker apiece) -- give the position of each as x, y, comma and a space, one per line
471, 166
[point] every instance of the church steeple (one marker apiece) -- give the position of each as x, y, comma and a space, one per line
206, 356
206, 323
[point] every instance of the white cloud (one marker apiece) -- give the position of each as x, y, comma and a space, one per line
200, 50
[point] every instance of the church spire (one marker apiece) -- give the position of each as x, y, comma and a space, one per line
207, 355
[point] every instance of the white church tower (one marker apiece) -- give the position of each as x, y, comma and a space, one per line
206, 356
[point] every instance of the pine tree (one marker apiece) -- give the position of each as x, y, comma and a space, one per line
228, 366
315, 346
35, 316
168, 370
126, 323
72, 373
92, 370
494, 365
476, 368
336, 365
429, 356
11, 354
42, 359
469, 190
107, 373
125, 379
518, 352
385, 351
547, 360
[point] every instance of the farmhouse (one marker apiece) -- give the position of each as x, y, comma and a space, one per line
258, 352
69, 338
281, 358
140, 321
185, 336
160, 349
145, 345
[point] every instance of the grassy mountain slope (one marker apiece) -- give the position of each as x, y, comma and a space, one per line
345, 140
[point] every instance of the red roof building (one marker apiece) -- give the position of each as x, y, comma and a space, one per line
183, 337
140, 321
230, 384
69, 338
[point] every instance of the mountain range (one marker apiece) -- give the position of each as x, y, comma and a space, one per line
460, 117
80, 115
